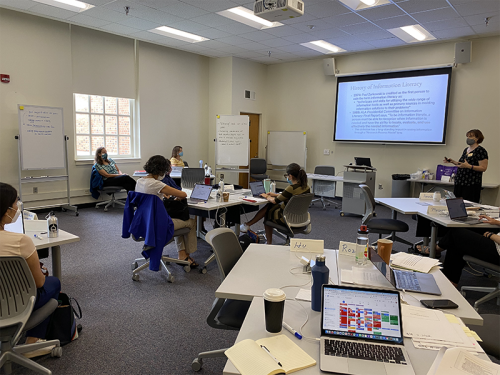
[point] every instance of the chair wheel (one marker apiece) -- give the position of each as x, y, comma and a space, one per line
187, 269
135, 277
197, 364
96, 206
134, 265
77, 213
170, 279
476, 309
63, 209
342, 213
56, 352
105, 209
203, 270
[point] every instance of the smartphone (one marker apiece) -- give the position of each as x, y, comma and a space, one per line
439, 304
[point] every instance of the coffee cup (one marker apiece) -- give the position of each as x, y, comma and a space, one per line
207, 180
436, 196
274, 305
384, 249
225, 196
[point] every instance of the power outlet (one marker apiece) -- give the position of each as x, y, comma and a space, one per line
380, 187
326, 151
35, 190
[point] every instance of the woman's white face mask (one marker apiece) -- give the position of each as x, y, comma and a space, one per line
16, 215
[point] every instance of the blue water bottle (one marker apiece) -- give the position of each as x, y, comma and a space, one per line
320, 274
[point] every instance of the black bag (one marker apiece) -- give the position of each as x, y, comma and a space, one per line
62, 325
244, 241
177, 209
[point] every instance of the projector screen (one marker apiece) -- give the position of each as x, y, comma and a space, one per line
400, 107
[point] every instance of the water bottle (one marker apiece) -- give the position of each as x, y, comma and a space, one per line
221, 184
206, 170
362, 246
209, 171
52, 225
320, 274
273, 187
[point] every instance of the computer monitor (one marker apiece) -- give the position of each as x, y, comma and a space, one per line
363, 161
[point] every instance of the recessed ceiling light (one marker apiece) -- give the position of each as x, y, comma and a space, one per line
73, 5
370, 2
412, 33
178, 34
364, 4
323, 47
246, 16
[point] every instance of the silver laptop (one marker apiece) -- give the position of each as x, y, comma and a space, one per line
257, 188
200, 193
405, 280
458, 212
362, 332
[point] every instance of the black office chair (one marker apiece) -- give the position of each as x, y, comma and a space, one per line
490, 269
110, 190
225, 313
191, 177
381, 226
324, 189
258, 169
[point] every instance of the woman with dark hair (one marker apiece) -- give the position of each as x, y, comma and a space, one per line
111, 174
273, 211
176, 160
157, 167
12, 244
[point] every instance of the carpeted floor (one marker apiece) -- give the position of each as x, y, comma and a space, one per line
152, 326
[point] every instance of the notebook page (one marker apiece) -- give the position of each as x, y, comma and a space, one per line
250, 359
291, 356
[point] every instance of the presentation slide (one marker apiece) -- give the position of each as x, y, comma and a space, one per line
408, 107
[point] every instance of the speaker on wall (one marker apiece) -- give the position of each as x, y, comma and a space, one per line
329, 66
463, 52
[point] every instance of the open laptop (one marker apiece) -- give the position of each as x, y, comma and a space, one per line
362, 332
257, 188
363, 161
405, 280
200, 193
18, 225
458, 212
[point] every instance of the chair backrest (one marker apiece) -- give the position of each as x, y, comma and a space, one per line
192, 176
325, 170
258, 166
226, 247
369, 203
324, 188
296, 212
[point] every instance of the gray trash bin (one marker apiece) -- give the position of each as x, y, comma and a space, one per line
400, 187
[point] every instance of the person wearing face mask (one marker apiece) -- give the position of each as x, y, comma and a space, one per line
157, 167
17, 244
471, 166
110, 172
273, 211
176, 159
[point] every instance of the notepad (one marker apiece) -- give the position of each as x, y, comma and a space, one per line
250, 359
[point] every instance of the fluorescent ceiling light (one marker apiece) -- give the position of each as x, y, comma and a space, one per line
364, 4
178, 34
369, 2
412, 33
323, 47
246, 16
73, 5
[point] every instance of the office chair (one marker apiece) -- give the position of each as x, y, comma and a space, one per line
225, 313
17, 298
110, 190
381, 226
296, 217
491, 270
258, 168
324, 188
192, 176
489, 332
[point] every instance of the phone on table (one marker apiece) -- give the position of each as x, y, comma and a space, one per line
439, 304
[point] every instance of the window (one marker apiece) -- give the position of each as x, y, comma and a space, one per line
103, 121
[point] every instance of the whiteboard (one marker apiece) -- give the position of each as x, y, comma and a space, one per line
285, 147
41, 141
233, 134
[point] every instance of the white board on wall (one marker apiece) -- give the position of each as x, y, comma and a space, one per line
232, 146
41, 131
285, 147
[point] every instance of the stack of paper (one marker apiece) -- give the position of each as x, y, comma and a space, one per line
412, 262
458, 362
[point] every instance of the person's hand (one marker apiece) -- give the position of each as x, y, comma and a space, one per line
264, 195
488, 220
464, 165
447, 160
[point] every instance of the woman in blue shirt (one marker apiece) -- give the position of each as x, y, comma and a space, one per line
111, 174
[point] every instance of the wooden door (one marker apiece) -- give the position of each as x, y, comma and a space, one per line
254, 144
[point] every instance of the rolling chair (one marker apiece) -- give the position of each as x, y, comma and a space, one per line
110, 190
491, 270
225, 313
192, 176
258, 169
17, 298
296, 216
324, 187
381, 226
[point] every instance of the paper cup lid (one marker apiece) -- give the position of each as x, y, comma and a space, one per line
274, 295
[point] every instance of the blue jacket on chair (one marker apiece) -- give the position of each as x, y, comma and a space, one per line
151, 222
96, 182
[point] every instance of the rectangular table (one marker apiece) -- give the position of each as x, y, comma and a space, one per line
443, 184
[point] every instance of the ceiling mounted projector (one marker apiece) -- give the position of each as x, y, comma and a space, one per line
278, 10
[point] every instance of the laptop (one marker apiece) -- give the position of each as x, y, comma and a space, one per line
362, 332
457, 211
18, 225
200, 193
363, 161
257, 188
405, 280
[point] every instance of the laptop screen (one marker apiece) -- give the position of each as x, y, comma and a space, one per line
363, 161
359, 313
382, 266
257, 188
456, 208
201, 192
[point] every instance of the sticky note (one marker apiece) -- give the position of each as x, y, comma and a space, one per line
21, 107
452, 318
347, 248
307, 246
476, 336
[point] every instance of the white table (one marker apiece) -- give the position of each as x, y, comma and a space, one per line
443, 183
173, 174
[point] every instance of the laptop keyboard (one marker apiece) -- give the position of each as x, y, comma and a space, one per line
369, 352
407, 280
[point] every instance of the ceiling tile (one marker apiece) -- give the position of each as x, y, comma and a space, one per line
300, 38
385, 43
382, 34
257, 36
119, 29
391, 23
380, 12
276, 42
184, 10
212, 5
188, 26
326, 9
83, 20
478, 19
487, 30
422, 5
253, 46
478, 7
453, 33
171, 42
147, 35
236, 28
344, 19
105, 14
265, 60
54, 12
318, 25
250, 54
212, 33
295, 49
445, 24
360, 46
361, 28
212, 20
18, 4
307, 17
139, 23
155, 4
283, 31
329, 33
233, 40
97, 2
435, 15
216, 45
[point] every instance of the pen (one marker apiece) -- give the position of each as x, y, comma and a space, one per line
37, 236
292, 331
272, 356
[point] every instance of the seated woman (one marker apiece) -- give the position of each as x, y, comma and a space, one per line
176, 160
273, 211
459, 242
110, 172
156, 167
16, 244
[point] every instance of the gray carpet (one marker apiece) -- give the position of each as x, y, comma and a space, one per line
152, 326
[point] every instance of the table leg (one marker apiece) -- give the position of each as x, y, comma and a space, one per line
55, 251
432, 247
199, 224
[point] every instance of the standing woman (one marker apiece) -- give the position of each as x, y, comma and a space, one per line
471, 165
110, 172
176, 160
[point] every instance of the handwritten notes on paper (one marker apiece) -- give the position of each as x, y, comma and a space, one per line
347, 248
232, 140
307, 246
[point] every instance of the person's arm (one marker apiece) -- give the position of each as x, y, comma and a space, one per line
167, 190
103, 173
448, 160
489, 220
34, 265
